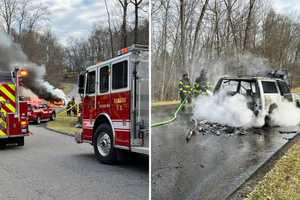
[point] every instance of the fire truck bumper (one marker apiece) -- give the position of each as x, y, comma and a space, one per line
78, 137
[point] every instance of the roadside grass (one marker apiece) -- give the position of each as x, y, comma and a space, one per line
64, 124
296, 90
283, 181
165, 103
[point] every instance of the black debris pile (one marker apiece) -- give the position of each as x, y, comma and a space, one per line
208, 128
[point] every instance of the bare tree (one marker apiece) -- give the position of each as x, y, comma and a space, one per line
136, 4
38, 14
182, 31
8, 10
109, 28
124, 4
198, 27
248, 23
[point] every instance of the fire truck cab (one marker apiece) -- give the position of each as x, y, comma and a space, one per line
13, 111
115, 105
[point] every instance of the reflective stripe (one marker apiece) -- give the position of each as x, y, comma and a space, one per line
2, 133
7, 93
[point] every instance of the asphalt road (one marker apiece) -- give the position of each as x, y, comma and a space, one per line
209, 167
52, 166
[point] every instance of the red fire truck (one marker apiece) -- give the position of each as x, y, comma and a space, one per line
115, 104
13, 111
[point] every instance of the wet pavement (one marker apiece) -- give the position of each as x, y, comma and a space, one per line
209, 167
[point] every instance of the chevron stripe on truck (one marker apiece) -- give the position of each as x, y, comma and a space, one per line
13, 112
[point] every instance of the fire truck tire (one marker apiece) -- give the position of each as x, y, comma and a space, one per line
53, 116
103, 145
20, 141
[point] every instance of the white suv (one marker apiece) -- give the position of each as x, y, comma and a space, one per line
264, 94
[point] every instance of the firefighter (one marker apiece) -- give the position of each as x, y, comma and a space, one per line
201, 85
70, 107
185, 88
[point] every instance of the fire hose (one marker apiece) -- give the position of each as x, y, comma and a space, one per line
174, 116
67, 109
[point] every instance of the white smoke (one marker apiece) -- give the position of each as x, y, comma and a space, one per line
228, 110
287, 114
233, 111
242, 64
12, 56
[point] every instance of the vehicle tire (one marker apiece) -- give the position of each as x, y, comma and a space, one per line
103, 145
20, 141
298, 104
53, 116
267, 121
267, 117
38, 120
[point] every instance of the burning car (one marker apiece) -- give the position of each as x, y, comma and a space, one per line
263, 94
40, 112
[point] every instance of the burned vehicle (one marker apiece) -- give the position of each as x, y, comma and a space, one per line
263, 94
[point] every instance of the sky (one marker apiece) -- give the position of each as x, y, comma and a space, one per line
75, 18
287, 7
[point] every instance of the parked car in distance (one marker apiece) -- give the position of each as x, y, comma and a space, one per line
40, 112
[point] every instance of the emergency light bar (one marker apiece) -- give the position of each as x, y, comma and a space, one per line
132, 48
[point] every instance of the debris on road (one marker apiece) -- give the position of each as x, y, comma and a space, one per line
210, 128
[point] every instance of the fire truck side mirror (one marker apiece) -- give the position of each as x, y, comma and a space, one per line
81, 83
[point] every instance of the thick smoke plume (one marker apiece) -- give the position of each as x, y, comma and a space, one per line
11, 56
228, 110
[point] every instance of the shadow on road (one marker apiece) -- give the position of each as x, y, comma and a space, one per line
129, 160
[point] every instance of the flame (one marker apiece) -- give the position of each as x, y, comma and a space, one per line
23, 72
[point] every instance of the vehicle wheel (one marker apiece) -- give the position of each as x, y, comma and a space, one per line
103, 145
20, 141
38, 120
298, 104
267, 121
53, 116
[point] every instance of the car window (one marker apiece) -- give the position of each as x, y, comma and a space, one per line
91, 82
120, 75
269, 87
104, 79
245, 87
230, 85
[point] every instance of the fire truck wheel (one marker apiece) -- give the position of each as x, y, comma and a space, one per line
52, 118
103, 145
20, 141
38, 120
